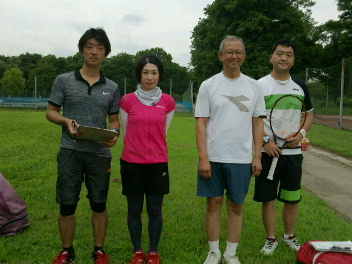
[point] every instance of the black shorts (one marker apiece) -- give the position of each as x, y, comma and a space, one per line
286, 184
138, 179
76, 167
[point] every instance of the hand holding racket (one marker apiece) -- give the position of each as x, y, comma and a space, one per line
287, 117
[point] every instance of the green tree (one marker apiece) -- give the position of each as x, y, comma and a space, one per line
7, 63
345, 6
13, 82
176, 77
260, 24
120, 68
336, 39
27, 62
45, 73
74, 62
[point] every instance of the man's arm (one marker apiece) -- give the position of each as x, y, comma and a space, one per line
294, 141
201, 138
113, 123
54, 116
258, 134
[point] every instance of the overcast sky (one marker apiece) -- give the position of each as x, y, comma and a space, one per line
55, 26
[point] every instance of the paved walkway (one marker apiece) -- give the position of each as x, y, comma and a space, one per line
330, 177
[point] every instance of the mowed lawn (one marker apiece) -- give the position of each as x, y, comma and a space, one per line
29, 144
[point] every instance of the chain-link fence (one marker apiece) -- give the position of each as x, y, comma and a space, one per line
331, 92
326, 87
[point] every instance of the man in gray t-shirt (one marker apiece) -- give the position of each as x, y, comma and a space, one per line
88, 99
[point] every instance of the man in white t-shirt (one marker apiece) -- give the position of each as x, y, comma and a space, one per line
286, 183
229, 118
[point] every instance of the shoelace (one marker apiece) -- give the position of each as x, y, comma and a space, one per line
270, 244
295, 242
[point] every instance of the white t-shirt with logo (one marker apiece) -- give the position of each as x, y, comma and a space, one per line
230, 105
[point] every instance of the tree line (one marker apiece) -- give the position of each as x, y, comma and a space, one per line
259, 23
20, 74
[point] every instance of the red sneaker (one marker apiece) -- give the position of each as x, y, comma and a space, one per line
154, 258
138, 257
64, 257
100, 257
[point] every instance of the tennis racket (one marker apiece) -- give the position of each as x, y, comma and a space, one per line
287, 117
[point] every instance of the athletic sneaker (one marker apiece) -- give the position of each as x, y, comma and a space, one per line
138, 257
292, 242
213, 258
153, 258
231, 260
269, 246
64, 257
100, 257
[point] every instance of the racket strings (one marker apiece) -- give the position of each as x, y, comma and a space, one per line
286, 116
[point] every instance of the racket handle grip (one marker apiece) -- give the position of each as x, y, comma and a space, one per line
272, 168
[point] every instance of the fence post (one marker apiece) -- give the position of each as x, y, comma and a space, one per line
35, 93
170, 86
342, 87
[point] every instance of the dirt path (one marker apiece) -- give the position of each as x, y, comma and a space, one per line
330, 177
333, 121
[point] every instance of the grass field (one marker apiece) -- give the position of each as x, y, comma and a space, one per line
29, 144
338, 141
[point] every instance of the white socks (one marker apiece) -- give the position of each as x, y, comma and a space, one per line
214, 246
231, 249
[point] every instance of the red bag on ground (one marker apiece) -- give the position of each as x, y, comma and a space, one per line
307, 254
13, 210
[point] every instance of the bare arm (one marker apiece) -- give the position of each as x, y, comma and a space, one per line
201, 138
113, 123
54, 116
258, 134
294, 141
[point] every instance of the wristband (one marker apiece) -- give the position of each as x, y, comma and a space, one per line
303, 132
266, 139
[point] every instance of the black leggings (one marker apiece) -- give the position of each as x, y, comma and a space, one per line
155, 226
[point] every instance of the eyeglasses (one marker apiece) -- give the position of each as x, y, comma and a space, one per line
237, 53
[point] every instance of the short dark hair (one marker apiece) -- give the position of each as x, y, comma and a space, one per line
148, 59
285, 43
97, 33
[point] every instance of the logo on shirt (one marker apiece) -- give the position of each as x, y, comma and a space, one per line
104, 93
296, 89
160, 106
237, 101
164, 174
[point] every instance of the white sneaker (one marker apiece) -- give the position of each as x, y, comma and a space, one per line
269, 246
292, 242
231, 260
213, 258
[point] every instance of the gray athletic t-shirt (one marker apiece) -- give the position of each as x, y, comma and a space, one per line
88, 105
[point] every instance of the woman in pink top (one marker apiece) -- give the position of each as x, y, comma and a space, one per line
146, 115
